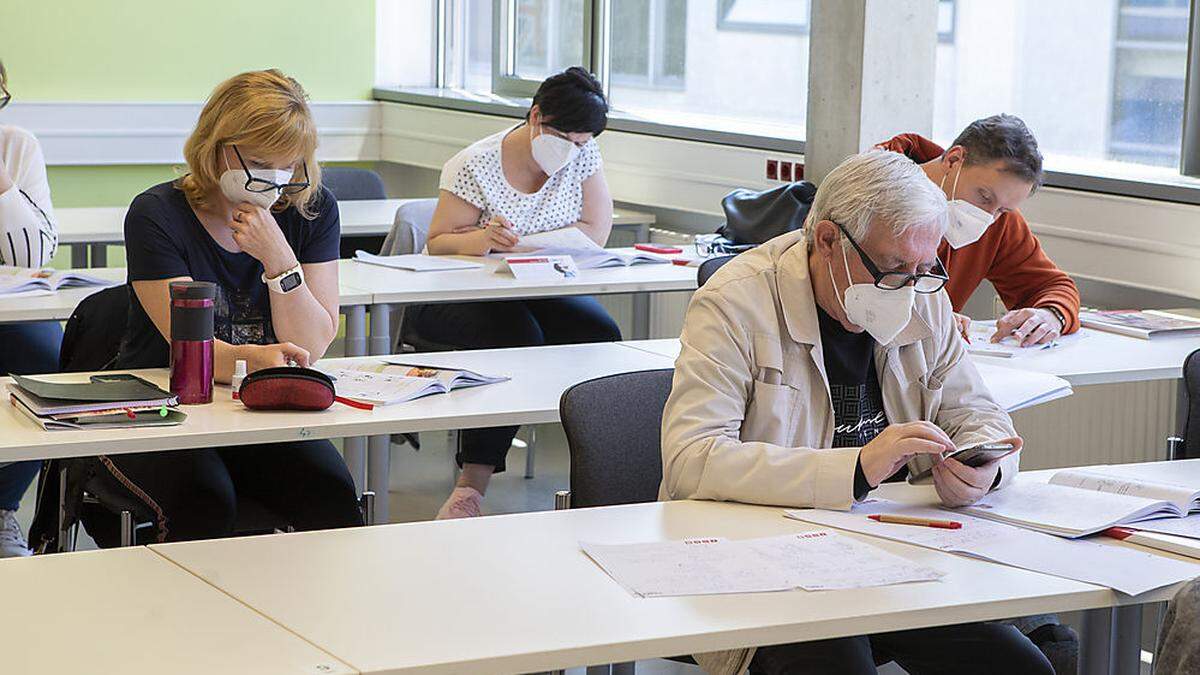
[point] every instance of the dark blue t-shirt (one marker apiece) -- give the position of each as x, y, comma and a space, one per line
165, 239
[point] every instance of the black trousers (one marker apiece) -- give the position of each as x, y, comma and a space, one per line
193, 494
494, 325
975, 648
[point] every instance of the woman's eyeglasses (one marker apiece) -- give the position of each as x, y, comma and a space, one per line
929, 282
256, 184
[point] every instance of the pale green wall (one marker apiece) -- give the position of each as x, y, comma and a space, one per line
174, 50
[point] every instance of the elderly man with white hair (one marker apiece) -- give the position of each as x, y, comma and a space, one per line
819, 365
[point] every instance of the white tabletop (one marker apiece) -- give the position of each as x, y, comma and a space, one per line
57, 306
106, 224
539, 377
529, 600
401, 286
132, 611
1096, 358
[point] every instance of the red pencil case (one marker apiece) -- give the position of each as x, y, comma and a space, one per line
287, 388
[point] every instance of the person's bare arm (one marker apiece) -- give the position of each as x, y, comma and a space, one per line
308, 316
155, 297
454, 229
597, 216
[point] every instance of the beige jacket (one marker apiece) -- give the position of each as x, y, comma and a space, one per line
750, 419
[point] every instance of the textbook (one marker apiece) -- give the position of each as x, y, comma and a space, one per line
102, 402
23, 279
397, 382
585, 252
415, 262
1079, 502
1144, 324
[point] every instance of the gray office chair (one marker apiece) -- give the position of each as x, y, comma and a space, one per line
348, 184
709, 267
613, 427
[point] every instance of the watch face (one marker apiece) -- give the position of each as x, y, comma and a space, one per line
289, 282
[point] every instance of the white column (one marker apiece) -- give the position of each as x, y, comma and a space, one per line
870, 76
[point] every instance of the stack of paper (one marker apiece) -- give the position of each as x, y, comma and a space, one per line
812, 561
103, 401
586, 254
1016, 389
1121, 568
415, 262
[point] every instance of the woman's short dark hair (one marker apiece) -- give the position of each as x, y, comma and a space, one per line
1003, 138
573, 102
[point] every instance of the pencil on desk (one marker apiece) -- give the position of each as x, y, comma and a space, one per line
909, 520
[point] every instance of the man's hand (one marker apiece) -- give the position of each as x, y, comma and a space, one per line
897, 444
960, 485
1029, 326
963, 324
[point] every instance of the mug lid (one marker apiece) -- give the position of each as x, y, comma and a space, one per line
193, 290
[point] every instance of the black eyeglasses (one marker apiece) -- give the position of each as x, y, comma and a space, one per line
254, 184
930, 282
5, 99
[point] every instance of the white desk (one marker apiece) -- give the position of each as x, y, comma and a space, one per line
132, 611
536, 602
539, 377
1097, 358
100, 226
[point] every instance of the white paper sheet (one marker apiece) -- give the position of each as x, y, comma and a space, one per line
1121, 567
808, 560
981, 344
1016, 389
1181, 527
416, 262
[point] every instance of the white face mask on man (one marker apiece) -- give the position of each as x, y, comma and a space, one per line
233, 184
552, 152
967, 221
880, 312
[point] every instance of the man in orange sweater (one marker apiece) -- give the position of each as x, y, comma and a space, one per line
991, 168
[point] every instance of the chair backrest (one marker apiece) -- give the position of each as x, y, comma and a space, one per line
349, 183
709, 267
613, 425
93, 333
1191, 424
410, 230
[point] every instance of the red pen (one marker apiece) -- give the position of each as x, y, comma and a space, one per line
909, 520
654, 248
130, 414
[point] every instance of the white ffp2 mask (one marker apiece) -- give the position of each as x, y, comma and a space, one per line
967, 221
233, 185
552, 152
880, 312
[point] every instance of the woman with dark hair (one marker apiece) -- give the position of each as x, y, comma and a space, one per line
540, 175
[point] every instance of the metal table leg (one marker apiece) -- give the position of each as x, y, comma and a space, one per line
1096, 636
79, 255
641, 316
1126, 651
379, 456
355, 449
1112, 641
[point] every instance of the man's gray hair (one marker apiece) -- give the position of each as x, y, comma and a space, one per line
876, 188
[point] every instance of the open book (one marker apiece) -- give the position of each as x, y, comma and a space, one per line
1079, 502
416, 262
400, 382
586, 254
1015, 389
23, 279
1143, 324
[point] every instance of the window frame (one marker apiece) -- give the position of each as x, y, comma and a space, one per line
723, 23
505, 79
509, 98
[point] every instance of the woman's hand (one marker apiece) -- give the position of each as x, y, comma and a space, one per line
259, 357
496, 236
257, 233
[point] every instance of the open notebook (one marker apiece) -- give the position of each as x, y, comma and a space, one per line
395, 382
1079, 502
586, 254
1015, 389
15, 280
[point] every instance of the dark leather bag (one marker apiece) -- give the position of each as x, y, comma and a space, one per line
753, 218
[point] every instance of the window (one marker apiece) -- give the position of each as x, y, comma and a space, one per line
1103, 98
726, 66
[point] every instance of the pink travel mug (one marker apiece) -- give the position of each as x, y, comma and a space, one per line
192, 340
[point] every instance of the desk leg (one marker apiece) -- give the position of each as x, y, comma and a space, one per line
99, 256
79, 255
1181, 415
1112, 641
355, 449
379, 455
641, 316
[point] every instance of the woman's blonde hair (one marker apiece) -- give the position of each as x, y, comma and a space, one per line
263, 111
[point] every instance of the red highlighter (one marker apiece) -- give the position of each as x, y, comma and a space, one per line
652, 248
